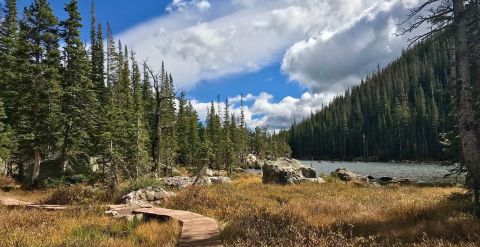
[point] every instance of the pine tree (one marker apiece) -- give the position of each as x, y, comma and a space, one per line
148, 100
6, 142
97, 57
194, 147
182, 130
112, 58
8, 43
213, 137
38, 58
140, 134
79, 101
167, 144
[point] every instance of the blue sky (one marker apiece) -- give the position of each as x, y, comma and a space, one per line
289, 57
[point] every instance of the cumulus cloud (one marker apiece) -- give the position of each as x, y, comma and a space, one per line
262, 110
341, 60
326, 46
181, 5
240, 36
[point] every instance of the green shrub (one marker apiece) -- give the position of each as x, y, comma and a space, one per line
54, 182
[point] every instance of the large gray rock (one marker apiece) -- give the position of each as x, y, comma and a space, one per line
148, 196
184, 182
348, 176
216, 173
251, 160
288, 171
220, 180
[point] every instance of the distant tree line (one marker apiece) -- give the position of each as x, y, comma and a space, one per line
77, 105
407, 110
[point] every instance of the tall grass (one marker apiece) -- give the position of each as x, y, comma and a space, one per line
77, 227
334, 214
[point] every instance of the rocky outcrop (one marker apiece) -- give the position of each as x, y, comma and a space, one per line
348, 176
216, 173
183, 182
251, 160
148, 196
220, 180
254, 163
288, 171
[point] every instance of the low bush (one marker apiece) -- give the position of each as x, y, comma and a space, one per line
7, 181
77, 195
54, 182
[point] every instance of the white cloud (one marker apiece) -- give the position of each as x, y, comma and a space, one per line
326, 45
263, 111
240, 36
181, 5
333, 64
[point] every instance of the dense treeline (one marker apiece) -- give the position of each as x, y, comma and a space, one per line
408, 110
100, 107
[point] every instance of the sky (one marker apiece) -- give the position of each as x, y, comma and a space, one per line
288, 57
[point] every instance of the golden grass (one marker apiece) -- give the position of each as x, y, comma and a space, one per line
80, 227
34, 196
333, 214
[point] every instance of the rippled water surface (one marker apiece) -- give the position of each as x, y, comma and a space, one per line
428, 172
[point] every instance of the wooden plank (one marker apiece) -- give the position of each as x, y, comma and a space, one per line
197, 230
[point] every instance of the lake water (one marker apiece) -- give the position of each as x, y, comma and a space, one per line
427, 172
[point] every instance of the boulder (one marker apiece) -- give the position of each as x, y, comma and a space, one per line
308, 172
148, 196
312, 180
386, 179
216, 173
259, 164
288, 171
251, 160
348, 176
220, 180
184, 182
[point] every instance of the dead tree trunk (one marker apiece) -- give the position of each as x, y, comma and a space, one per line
468, 126
36, 165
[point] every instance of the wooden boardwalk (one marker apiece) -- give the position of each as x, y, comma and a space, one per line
11, 202
197, 230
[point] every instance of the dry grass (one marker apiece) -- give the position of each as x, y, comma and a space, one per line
78, 227
334, 214
34, 196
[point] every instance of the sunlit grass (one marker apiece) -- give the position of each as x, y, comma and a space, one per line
81, 227
334, 213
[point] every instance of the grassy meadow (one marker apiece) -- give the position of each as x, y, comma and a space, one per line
334, 214
253, 214
81, 228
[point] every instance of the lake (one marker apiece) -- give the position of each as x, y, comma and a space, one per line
427, 172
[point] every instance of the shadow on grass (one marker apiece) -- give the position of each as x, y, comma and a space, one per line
447, 223
450, 220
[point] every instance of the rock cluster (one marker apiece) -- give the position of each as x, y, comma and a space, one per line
149, 196
216, 173
183, 182
288, 171
253, 162
348, 176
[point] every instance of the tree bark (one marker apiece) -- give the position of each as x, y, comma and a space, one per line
468, 126
36, 165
